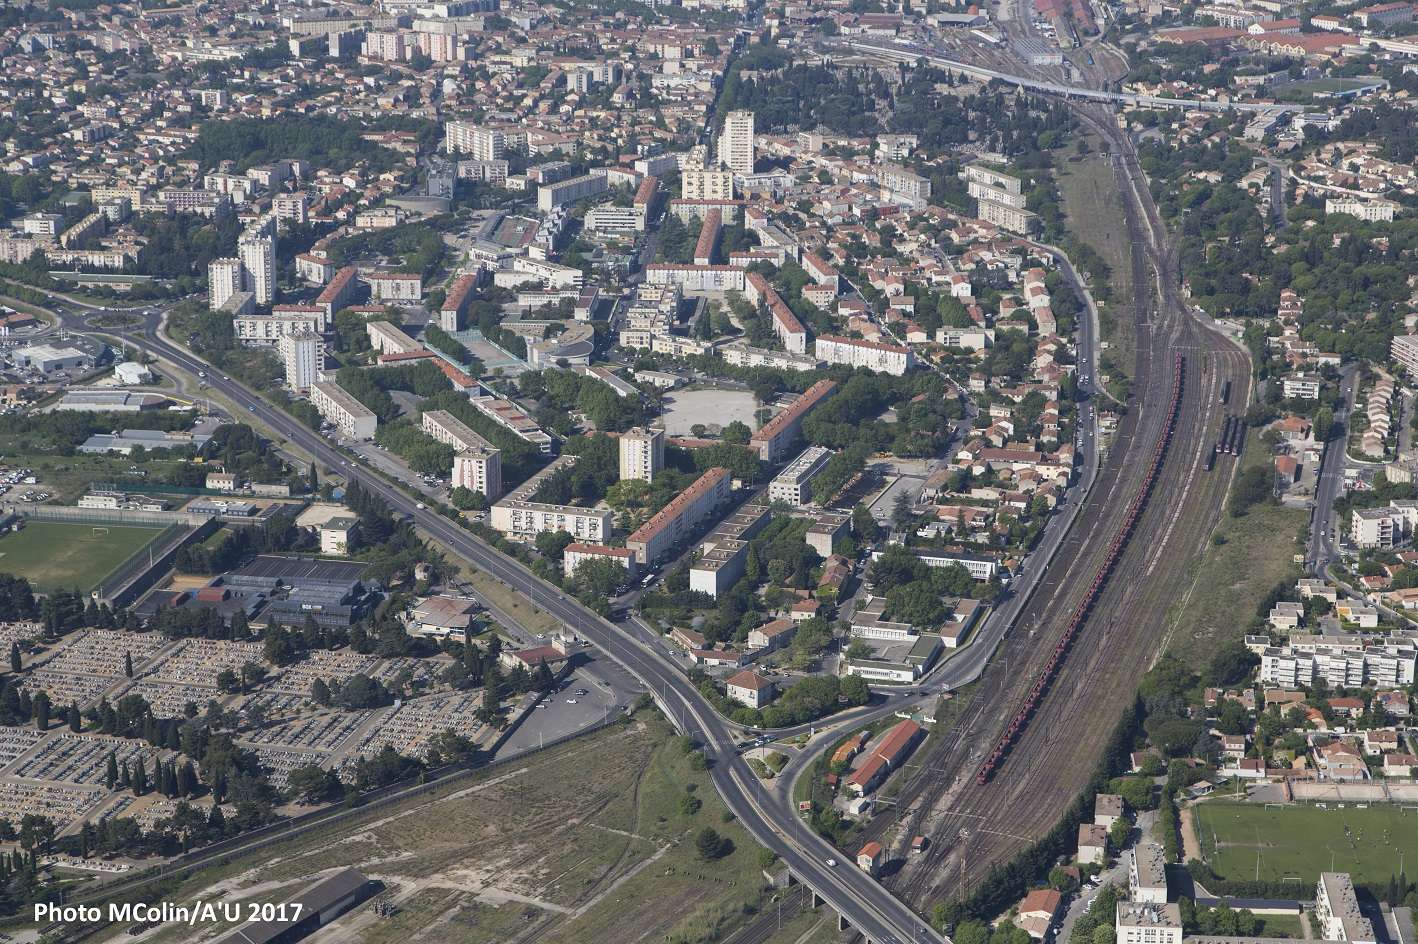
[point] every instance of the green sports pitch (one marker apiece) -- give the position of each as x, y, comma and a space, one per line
56, 555
1296, 842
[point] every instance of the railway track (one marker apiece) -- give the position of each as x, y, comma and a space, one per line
977, 821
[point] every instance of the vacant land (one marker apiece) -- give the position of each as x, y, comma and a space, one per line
56, 554
591, 841
1231, 579
1298, 842
1094, 214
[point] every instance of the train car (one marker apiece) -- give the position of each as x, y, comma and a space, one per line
1041, 684
1210, 460
1226, 393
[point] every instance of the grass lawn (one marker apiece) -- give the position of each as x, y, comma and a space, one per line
1301, 841
1231, 578
1094, 214
56, 554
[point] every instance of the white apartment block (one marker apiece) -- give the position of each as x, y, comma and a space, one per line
707, 185
740, 354
1388, 664
551, 196
794, 484
476, 142
1337, 910
393, 286
291, 206
479, 471
873, 355
1006, 217
903, 182
642, 453
520, 515
992, 178
224, 279
1376, 528
1147, 874
385, 338
1404, 349
351, 418
983, 191
1148, 923
303, 355
1371, 211
477, 466
266, 330
672, 523
257, 250
736, 146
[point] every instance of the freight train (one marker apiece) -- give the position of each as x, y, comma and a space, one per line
1020, 721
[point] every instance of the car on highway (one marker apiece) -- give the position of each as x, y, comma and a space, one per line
571, 701
832, 863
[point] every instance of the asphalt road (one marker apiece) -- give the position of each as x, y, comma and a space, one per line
864, 903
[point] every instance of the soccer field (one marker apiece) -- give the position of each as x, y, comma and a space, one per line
57, 554
1301, 841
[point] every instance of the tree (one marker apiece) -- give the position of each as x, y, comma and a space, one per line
310, 784
736, 432
41, 711
14, 657
711, 845
320, 693
128, 664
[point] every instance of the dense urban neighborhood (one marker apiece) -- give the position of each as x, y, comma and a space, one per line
708, 471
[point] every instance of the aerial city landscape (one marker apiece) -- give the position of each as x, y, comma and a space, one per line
689, 471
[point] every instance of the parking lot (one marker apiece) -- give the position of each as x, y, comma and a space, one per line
582, 700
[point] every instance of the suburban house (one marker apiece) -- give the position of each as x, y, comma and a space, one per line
749, 688
1092, 844
1038, 911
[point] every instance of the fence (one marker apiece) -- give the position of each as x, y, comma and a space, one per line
142, 569
111, 516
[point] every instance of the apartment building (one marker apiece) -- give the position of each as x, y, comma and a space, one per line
1147, 874
352, 418
794, 484
671, 524
574, 555
302, 354
873, 355
257, 250
473, 141
265, 330
779, 434
1387, 664
385, 338
393, 286
707, 184
519, 514
1404, 349
642, 453
741, 354
1371, 211
736, 144
904, 183
1013, 219
478, 470
1376, 528
509, 415
455, 304
551, 196
1337, 910
1140, 922
224, 279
